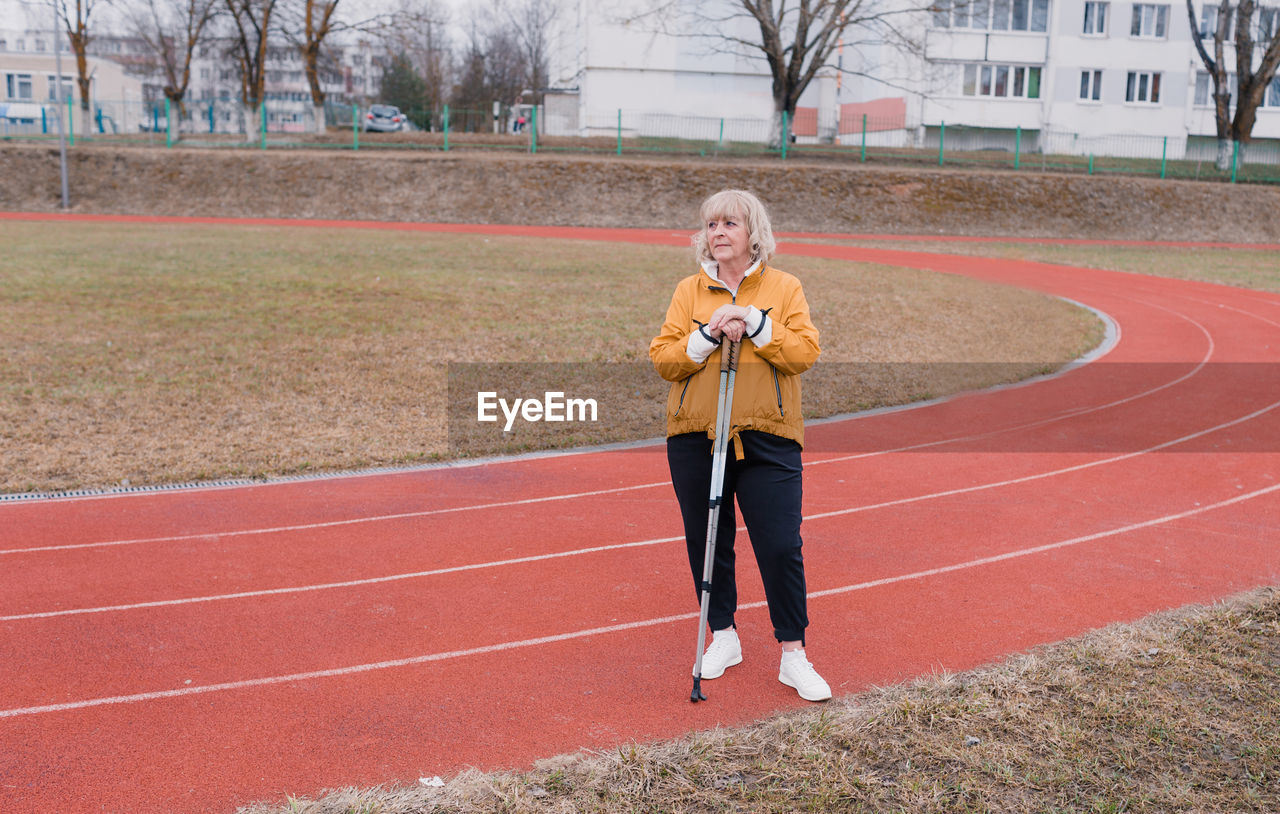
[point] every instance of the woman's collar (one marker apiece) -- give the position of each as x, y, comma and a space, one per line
712, 268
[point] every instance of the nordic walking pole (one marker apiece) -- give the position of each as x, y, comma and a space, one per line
719, 449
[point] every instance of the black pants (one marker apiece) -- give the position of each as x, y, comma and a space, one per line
766, 484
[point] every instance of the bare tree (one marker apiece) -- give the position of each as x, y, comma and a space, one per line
419, 29
171, 30
74, 17
471, 89
506, 70
252, 23
797, 39
493, 66
1251, 79
310, 26
317, 24
529, 25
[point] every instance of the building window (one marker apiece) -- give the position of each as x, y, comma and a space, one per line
1149, 20
1204, 89
1143, 87
1095, 18
68, 86
1267, 20
1091, 86
1209, 23
18, 85
1273, 93
992, 15
1001, 81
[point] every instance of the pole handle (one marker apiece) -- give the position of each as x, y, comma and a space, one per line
729, 356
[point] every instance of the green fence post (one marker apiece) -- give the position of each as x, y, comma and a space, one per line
262, 122
720, 143
1091, 163
446, 128
1017, 148
1164, 157
533, 132
168, 122
355, 126
786, 134
942, 138
211, 122
1235, 159
71, 122
619, 131
864, 138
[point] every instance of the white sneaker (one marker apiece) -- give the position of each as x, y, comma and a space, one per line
797, 672
724, 651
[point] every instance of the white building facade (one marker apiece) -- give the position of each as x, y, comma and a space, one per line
609, 60
1079, 77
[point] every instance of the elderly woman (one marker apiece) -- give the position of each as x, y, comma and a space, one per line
738, 296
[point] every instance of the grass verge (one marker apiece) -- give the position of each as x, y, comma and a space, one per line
1176, 712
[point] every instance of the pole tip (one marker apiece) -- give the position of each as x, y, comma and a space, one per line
697, 695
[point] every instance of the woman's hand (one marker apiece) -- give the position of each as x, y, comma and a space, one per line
730, 321
733, 330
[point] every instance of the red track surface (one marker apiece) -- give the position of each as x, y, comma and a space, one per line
194, 650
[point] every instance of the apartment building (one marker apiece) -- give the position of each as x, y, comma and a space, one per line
127, 88
1079, 76
29, 91
352, 75
1065, 76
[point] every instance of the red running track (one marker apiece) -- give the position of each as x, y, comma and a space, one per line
193, 650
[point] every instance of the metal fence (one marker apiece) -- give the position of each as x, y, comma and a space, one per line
852, 137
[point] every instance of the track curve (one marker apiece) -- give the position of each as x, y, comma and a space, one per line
192, 650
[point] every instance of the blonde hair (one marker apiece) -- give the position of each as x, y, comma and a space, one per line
741, 204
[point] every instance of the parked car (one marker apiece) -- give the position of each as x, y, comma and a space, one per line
384, 119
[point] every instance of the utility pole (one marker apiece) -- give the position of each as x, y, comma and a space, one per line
62, 131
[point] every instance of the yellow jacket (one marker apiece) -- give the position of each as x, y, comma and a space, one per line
766, 394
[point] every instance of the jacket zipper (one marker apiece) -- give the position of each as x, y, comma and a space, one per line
777, 389
683, 390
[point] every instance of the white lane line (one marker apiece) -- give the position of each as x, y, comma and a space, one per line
596, 631
335, 523
1210, 303
347, 584
641, 543
1038, 476
342, 671
1025, 552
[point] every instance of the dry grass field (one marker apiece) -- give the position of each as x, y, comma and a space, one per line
153, 354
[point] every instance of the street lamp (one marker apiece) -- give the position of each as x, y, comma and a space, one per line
61, 103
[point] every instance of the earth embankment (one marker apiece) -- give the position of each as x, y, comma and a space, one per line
557, 189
